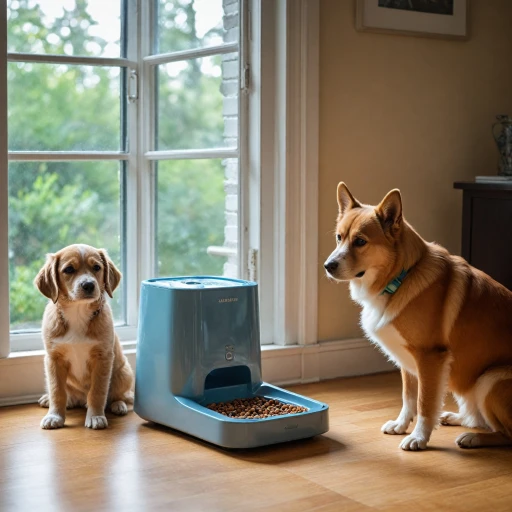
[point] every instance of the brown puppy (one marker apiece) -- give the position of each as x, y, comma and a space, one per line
444, 323
84, 363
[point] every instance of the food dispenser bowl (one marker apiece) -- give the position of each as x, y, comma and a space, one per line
199, 344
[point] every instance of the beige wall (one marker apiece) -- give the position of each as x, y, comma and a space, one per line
406, 112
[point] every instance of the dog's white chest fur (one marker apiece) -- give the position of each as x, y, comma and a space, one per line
380, 331
78, 345
77, 356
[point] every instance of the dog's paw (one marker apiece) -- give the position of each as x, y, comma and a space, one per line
51, 421
469, 440
450, 418
96, 422
119, 408
44, 401
413, 443
394, 427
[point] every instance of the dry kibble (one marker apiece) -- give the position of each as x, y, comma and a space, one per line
255, 408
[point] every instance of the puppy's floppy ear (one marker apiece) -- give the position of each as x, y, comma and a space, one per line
389, 211
111, 275
346, 201
47, 280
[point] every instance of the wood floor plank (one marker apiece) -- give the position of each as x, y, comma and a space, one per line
135, 465
489, 494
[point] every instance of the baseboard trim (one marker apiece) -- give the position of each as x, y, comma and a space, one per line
22, 376
322, 361
20, 400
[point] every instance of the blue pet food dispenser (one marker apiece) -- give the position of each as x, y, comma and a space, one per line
198, 344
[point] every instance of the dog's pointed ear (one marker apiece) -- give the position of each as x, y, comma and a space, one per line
346, 201
389, 211
111, 275
47, 280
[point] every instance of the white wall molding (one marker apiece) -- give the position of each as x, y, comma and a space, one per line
302, 132
22, 374
20, 400
309, 166
297, 183
300, 364
286, 67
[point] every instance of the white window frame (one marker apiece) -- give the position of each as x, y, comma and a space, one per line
139, 178
31, 341
278, 190
147, 127
4, 205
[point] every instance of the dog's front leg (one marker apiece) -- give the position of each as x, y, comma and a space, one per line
409, 406
101, 362
56, 375
433, 371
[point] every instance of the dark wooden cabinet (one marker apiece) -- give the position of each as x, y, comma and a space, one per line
487, 228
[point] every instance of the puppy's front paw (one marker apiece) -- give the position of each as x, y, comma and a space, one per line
96, 422
44, 401
51, 421
450, 418
394, 427
413, 443
119, 408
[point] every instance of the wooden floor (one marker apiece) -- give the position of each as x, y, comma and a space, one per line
137, 466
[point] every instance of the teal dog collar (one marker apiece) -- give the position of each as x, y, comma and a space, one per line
393, 285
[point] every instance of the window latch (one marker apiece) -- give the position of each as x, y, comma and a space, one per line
252, 265
133, 86
245, 83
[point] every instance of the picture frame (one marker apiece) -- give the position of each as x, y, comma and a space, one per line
447, 19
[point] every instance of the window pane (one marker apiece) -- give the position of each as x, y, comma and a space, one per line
65, 27
186, 24
191, 96
55, 107
196, 210
51, 205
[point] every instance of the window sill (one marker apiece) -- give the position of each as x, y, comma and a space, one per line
31, 343
36, 356
129, 348
267, 351
22, 373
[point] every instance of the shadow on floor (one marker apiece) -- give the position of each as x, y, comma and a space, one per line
282, 452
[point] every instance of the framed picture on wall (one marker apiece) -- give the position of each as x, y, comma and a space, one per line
424, 18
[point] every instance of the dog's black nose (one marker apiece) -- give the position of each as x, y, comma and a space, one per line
88, 286
331, 266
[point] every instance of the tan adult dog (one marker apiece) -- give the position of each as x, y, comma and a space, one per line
84, 362
446, 324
